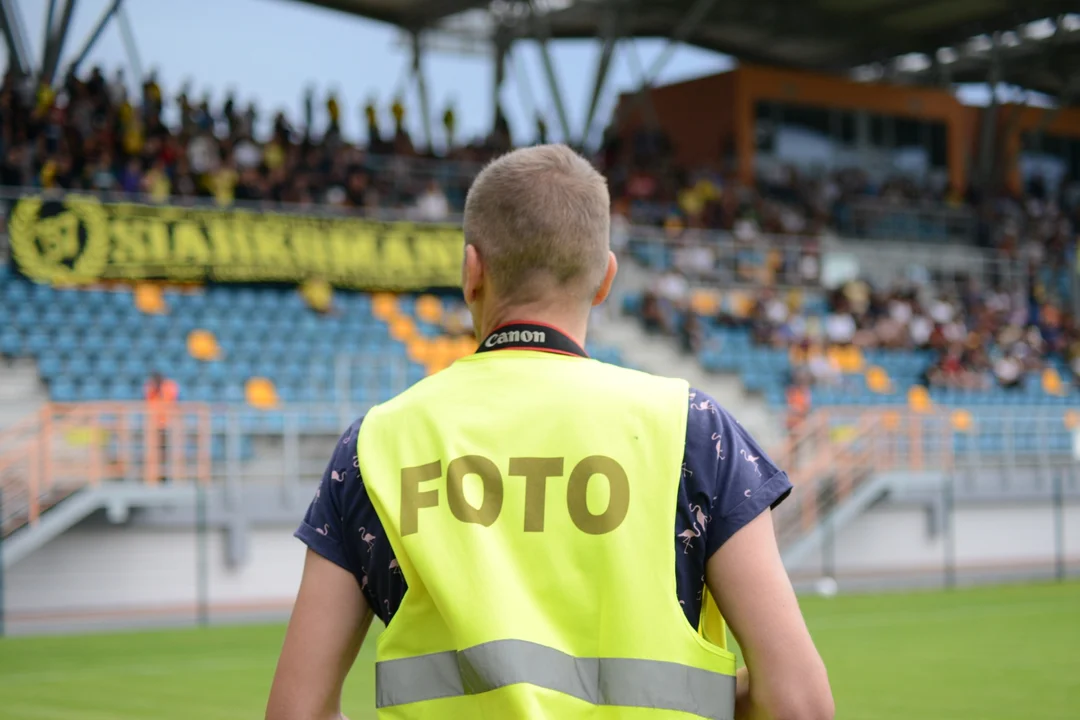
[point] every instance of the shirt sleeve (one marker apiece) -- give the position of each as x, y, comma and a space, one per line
732, 475
342, 525
323, 527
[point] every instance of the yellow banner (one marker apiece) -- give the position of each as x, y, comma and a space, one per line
77, 239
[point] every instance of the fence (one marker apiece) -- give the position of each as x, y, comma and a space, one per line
200, 531
882, 220
719, 258
992, 496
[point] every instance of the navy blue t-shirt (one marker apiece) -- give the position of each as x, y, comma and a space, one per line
727, 481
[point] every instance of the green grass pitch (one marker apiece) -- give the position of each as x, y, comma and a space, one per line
979, 654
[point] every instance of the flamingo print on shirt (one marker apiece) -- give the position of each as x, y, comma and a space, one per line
696, 529
719, 438
367, 538
336, 476
752, 459
700, 516
704, 406
324, 530
688, 536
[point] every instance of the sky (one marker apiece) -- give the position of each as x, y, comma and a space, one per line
270, 50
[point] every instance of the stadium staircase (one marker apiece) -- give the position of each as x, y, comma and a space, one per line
65, 462
661, 356
21, 391
841, 465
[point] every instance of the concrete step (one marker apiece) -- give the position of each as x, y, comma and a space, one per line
660, 355
21, 391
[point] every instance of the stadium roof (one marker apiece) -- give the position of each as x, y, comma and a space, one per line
831, 35
408, 14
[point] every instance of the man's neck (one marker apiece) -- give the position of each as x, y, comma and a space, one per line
571, 322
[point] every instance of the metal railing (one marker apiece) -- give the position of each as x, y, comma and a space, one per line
786, 261
717, 257
832, 452
878, 219
65, 447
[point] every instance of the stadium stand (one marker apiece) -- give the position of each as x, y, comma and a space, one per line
882, 276
95, 344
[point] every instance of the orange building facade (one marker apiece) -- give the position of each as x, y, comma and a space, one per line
742, 119
1028, 134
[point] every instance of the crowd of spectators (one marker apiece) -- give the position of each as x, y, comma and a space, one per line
1038, 228
90, 134
981, 338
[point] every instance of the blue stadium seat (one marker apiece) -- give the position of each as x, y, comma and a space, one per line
52, 316
123, 390
237, 325
63, 390
80, 316
17, 292
233, 392
244, 299
105, 364
414, 373
42, 294
173, 345
11, 342
216, 371
66, 340
266, 367
68, 298
36, 341
145, 343
26, 316
292, 371
50, 365
240, 369
134, 366
201, 391
315, 392
90, 388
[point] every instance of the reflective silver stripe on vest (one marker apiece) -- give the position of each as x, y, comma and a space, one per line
600, 681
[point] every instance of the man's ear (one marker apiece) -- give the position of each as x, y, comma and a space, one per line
609, 278
472, 275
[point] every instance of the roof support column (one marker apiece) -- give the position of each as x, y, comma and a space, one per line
610, 33
525, 94
132, 50
543, 32
94, 35
46, 42
686, 27
989, 124
642, 97
556, 91
500, 49
54, 42
15, 37
421, 86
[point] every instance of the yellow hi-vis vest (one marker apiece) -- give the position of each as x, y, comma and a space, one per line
530, 501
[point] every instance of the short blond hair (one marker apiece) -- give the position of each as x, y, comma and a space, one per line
540, 219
